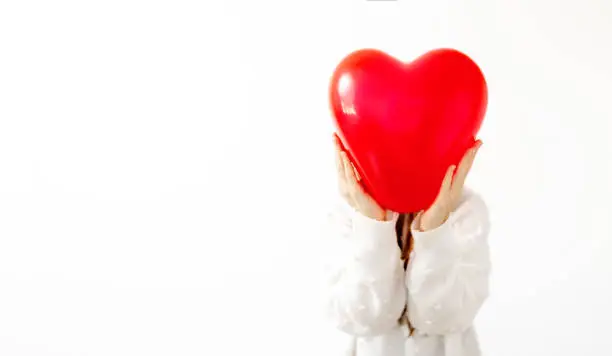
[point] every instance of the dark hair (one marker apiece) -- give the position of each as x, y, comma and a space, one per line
405, 243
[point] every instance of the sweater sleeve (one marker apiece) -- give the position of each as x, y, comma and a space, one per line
448, 274
364, 278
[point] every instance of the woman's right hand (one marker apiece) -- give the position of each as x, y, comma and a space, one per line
351, 188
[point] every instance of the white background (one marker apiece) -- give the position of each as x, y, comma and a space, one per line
164, 166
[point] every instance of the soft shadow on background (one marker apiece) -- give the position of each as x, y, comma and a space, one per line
165, 166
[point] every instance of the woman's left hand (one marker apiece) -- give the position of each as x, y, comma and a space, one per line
450, 193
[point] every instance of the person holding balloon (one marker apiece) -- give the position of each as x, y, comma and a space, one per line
400, 282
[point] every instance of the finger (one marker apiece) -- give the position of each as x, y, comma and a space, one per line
339, 147
337, 142
466, 161
357, 176
444, 194
448, 179
349, 173
468, 155
351, 177
343, 185
465, 166
339, 159
446, 184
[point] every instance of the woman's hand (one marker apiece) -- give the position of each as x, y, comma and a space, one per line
450, 193
351, 189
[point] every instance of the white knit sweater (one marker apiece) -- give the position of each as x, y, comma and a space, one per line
444, 286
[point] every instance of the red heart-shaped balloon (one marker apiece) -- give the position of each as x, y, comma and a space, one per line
404, 124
